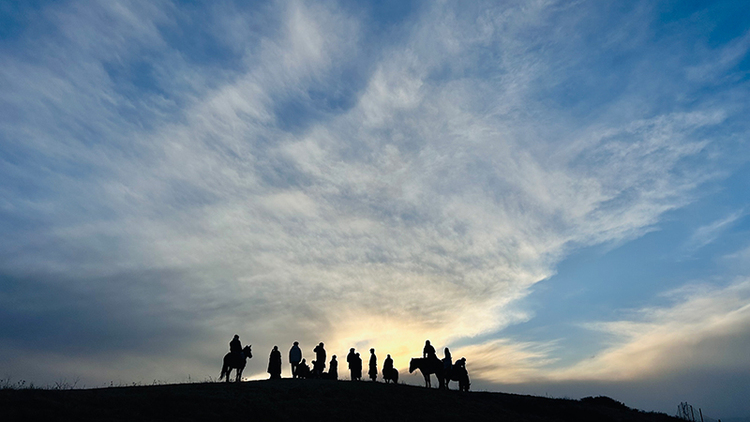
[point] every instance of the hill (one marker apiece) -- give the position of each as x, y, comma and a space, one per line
304, 400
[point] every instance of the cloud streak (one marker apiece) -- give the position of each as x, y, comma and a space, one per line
705, 328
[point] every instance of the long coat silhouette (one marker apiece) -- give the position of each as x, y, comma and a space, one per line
357, 366
274, 363
351, 359
320, 358
333, 368
373, 372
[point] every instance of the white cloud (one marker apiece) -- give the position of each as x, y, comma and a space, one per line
508, 362
423, 210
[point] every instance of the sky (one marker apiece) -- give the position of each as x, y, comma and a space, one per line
556, 190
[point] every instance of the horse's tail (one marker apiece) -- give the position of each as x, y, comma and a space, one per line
224, 371
394, 376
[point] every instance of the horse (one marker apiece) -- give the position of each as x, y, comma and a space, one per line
235, 361
390, 374
428, 366
459, 374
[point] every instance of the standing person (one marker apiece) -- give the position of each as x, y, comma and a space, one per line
295, 356
373, 372
351, 359
274, 363
357, 366
462, 374
333, 368
320, 359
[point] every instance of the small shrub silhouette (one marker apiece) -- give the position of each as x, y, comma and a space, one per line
604, 401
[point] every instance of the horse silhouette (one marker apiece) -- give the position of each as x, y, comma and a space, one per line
428, 366
459, 374
235, 361
390, 374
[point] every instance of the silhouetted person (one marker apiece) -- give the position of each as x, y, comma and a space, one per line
295, 356
387, 364
333, 368
235, 346
389, 372
357, 366
460, 373
429, 351
351, 360
461, 364
274, 363
303, 371
373, 372
320, 359
447, 360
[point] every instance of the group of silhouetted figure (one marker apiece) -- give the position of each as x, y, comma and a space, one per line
444, 369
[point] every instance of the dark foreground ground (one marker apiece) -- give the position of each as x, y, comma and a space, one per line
302, 401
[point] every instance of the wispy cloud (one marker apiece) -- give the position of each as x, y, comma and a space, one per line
707, 234
508, 362
706, 328
726, 59
325, 186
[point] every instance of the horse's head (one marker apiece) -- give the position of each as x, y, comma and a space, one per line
247, 351
412, 365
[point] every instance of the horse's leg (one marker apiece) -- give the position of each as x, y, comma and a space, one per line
239, 374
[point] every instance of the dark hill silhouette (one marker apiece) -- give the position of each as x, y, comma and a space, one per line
304, 400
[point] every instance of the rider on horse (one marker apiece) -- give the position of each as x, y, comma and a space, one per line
429, 353
447, 360
235, 346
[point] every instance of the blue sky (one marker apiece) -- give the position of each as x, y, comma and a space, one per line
558, 191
